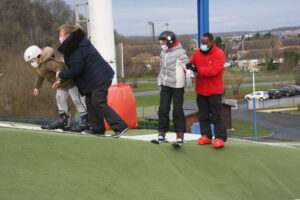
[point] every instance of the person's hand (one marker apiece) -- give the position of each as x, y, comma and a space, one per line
61, 60
36, 92
191, 67
56, 84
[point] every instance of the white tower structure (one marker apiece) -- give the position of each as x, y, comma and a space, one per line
102, 30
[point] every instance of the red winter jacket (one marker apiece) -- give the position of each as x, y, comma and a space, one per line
209, 80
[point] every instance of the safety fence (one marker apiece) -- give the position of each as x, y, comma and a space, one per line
271, 103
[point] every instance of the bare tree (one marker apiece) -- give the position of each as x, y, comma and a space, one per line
235, 80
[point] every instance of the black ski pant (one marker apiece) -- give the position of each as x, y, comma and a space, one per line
98, 109
210, 113
167, 94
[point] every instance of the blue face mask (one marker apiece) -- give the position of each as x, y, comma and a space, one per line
204, 47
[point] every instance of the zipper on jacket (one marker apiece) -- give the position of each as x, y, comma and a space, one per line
166, 68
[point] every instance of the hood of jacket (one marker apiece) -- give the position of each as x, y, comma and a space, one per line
174, 48
48, 52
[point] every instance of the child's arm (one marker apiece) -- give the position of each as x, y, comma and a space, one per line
39, 82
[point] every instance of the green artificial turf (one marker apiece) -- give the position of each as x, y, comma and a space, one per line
35, 165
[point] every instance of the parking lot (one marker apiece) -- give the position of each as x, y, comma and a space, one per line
292, 101
288, 96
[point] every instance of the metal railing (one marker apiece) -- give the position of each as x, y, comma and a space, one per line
274, 103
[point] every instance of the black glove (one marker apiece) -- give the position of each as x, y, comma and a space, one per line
191, 67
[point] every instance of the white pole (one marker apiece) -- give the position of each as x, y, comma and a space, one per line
243, 54
102, 31
253, 79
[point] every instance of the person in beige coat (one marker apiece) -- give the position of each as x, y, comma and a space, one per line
46, 66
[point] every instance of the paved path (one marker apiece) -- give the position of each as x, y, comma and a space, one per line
155, 92
285, 127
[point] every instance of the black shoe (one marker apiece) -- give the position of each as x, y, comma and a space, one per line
179, 141
44, 127
179, 138
161, 137
61, 123
84, 125
119, 133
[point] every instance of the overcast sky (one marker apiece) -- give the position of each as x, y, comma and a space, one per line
131, 16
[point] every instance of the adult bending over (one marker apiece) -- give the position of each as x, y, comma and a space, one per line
93, 76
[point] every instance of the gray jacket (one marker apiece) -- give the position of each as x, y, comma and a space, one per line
172, 67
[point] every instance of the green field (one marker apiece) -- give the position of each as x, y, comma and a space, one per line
153, 86
153, 100
41, 166
245, 129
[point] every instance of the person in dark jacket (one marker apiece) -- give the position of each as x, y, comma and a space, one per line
92, 75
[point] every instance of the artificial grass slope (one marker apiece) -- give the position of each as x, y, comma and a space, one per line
53, 166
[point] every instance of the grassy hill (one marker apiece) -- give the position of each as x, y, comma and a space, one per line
36, 165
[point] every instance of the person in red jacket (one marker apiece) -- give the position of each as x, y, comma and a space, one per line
208, 63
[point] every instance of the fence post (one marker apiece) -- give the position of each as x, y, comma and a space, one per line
294, 100
254, 117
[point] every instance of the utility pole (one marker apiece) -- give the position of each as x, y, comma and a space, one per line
243, 54
152, 29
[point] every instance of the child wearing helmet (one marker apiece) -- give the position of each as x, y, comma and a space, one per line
172, 78
46, 66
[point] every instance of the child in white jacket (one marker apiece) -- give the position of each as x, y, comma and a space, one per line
172, 78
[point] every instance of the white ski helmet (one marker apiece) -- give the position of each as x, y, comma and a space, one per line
32, 52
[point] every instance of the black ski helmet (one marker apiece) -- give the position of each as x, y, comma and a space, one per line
169, 37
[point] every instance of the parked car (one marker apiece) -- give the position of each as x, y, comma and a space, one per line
287, 91
274, 94
295, 87
260, 95
255, 70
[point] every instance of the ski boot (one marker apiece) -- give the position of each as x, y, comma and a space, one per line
84, 125
63, 123
179, 140
161, 138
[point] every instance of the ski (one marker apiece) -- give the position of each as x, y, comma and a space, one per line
155, 141
176, 145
